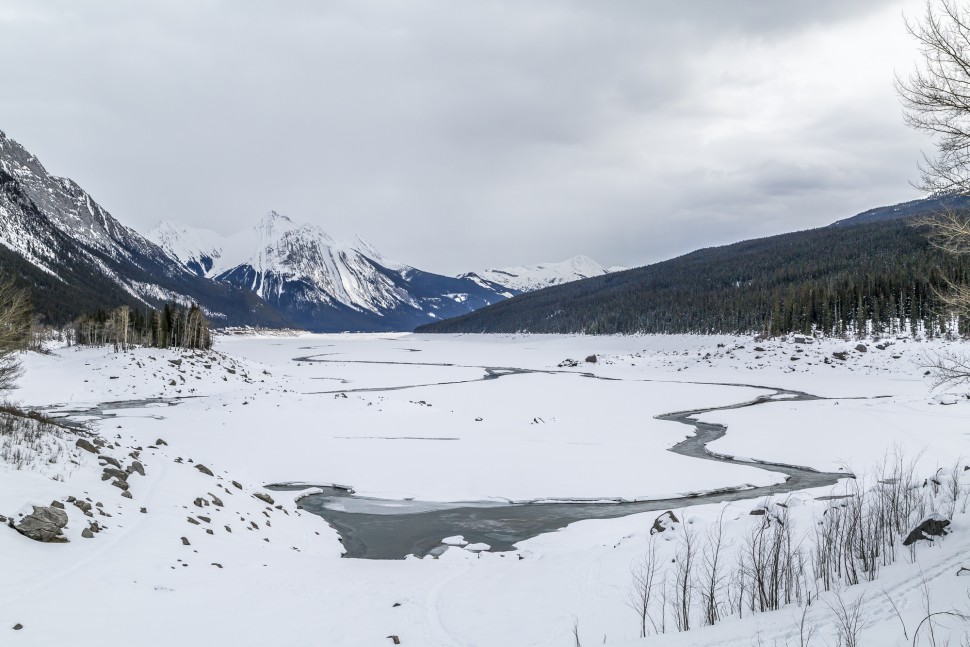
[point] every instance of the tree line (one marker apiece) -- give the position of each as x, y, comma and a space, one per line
880, 277
173, 326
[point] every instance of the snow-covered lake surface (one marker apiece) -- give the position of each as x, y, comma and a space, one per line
442, 420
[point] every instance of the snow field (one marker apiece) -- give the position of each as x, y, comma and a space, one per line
266, 422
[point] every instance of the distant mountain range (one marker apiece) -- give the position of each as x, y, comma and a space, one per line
874, 267
75, 258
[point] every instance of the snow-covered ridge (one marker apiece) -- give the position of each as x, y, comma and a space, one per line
527, 278
277, 253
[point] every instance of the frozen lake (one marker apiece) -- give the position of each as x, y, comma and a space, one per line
463, 449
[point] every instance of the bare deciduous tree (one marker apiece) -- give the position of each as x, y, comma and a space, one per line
712, 570
936, 97
850, 619
15, 329
683, 586
936, 100
641, 593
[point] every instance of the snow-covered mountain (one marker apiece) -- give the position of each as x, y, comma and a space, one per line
322, 283
76, 258
528, 278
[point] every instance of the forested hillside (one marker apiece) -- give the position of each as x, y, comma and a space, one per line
834, 278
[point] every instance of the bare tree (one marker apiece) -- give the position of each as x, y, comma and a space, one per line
936, 97
712, 570
850, 619
641, 593
683, 585
936, 100
15, 329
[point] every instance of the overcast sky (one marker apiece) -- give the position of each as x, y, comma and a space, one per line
462, 135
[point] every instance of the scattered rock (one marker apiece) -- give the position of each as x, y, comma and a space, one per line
803, 340
759, 349
111, 461
136, 466
83, 443
121, 485
264, 497
758, 512
185, 542
591, 359
205, 470
932, 526
568, 363
18, 627
237, 485
664, 522
216, 501
144, 510
192, 521
160, 442
87, 534
840, 355
395, 639
112, 473
862, 348
126, 494
217, 564
57, 504
43, 524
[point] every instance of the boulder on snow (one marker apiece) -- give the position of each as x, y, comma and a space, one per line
664, 522
840, 355
205, 470
136, 466
568, 363
591, 359
85, 444
862, 348
264, 497
43, 524
110, 460
932, 526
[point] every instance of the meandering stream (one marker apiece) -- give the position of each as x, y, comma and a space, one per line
386, 529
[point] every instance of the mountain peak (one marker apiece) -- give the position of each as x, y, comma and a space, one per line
526, 278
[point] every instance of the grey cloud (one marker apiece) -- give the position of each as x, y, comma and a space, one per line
455, 135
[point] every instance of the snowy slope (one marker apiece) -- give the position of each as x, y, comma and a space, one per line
527, 278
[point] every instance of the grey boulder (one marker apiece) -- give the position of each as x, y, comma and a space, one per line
43, 524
